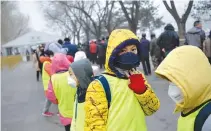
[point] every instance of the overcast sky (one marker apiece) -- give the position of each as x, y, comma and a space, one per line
38, 22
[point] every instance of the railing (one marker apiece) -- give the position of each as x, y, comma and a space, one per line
10, 61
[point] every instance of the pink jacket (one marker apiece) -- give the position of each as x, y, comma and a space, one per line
59, 63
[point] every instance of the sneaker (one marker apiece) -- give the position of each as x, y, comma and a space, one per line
47, 114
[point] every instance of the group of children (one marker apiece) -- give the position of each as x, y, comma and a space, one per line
120, 98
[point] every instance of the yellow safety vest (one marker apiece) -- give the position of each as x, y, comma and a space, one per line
187, 123
64, 94
45, 76
125, 112
78, 123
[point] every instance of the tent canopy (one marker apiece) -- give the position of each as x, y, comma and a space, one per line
32, 38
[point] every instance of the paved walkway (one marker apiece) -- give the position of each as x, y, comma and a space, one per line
23, 100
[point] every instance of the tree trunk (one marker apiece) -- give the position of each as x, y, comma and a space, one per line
78, 36
87, 35
181, 30
133, 28
74, 38
98, 35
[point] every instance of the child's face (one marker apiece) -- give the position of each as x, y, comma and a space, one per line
129, 48
73, 75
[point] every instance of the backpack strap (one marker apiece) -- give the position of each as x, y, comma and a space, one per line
203, 114
106, 87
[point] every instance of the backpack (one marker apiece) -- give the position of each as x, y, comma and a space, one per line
93, 48
202, 116
106, 88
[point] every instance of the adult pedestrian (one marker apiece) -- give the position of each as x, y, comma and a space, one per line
36, 60
93, 51
101, 52
71, 48
60, 42
207, 47
168, 40
155, 51
144, 47
195, 36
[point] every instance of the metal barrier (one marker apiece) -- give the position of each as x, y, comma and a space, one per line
10, 61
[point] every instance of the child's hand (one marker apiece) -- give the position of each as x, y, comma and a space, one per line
136, 81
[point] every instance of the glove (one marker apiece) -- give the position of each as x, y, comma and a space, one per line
137, 83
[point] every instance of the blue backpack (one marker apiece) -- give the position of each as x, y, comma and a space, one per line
202, 116
106, 87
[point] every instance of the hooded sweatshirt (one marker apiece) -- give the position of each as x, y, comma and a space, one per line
59, 91
84, 74
195, 36
189, 69
169, 39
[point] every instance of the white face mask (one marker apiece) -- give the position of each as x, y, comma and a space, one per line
71, 82
175, 93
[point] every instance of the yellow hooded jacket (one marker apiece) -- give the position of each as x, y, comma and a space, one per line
127, 110
189, 69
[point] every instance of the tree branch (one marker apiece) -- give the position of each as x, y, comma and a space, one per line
187, 12
174, 9
125, 12
82, 10
137, 12
171, 11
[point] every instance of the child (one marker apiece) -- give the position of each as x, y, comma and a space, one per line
132, 98
59, 92
189, 73
81, 73
50, 50
46, 74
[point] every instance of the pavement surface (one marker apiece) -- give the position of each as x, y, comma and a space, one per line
23, 101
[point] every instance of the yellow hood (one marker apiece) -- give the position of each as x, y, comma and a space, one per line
118, 39
189, 69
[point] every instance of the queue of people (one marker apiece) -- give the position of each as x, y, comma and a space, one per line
121, 97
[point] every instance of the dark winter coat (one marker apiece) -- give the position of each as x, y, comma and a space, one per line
154, 48
144, 47
71, 48
101, 49
169, 39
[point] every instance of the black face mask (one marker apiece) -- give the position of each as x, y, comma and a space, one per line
127, 61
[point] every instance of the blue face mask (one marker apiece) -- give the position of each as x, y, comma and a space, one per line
127, 61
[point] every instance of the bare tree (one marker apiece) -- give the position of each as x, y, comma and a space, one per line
60, 16
141, 14
181, 21
13, 22
132, 16
113, 17
84, 7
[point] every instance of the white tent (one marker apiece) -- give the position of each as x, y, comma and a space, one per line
31, 39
